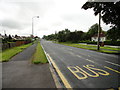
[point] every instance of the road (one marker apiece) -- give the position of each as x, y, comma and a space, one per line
85, 68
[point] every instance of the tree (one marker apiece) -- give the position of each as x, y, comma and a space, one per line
113, 34
10, 37
109, 10
66, 36
16, 36
93, 30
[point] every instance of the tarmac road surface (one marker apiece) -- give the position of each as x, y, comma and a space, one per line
85, 68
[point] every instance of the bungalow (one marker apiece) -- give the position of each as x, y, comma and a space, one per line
102, 37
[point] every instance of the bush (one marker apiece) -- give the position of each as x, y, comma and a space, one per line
115, 43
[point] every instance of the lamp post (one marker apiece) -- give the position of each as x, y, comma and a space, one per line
33, 25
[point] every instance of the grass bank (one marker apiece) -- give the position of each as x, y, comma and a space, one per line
109, 50
39, 55
9, 53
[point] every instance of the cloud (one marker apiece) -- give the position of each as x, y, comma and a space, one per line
55, 15
12, 24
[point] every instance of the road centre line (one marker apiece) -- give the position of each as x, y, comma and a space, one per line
90, 60
113, 63
78, 56
88, 55
85, 59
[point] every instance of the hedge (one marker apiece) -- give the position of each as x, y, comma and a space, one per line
114, 43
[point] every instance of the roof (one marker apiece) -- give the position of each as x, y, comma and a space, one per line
101, 35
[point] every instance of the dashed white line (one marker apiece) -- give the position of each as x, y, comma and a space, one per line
78, 56
90, 60
88, 55
70, 49
113, 63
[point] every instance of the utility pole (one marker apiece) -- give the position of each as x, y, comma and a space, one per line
98, 46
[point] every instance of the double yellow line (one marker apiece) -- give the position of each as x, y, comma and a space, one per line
64, 80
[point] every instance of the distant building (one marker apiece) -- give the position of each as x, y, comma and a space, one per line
102, 37
1, 36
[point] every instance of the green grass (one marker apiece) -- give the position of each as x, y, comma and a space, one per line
92, 47
9, 53
39, 55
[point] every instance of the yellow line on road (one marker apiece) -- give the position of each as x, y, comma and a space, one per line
112, 69
66, 83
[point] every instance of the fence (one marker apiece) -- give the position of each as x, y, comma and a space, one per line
13, 44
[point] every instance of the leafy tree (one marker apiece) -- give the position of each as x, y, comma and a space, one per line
66, 35
109, 10
16, 36
10, 37
93, 30
113, 34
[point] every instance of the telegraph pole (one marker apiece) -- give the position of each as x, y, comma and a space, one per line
98, 46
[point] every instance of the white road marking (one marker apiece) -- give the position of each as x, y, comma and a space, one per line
78, 56
113, 63
90, 60
71, 53
88, 55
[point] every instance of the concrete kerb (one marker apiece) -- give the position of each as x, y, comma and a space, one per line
56, 80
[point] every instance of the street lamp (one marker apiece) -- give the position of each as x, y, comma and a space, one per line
33, 24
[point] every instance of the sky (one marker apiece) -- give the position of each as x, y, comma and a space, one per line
54, 15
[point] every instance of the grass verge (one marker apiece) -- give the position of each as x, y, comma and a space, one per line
9, 53
108, 50
39, 55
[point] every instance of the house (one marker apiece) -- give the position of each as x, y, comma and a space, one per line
102, 37
1, 36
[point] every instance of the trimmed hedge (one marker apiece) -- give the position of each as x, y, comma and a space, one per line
114, 43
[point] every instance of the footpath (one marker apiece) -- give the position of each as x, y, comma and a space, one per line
19, 72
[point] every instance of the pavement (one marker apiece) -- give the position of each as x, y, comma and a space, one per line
85, 68
20, 73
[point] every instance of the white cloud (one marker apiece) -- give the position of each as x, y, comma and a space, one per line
16, 16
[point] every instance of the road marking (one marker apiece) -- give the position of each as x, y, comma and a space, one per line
66, 83
113, 63
71, 53
88, 55
84, 76
78, 56
95, 74
90, 60
80, 73
112, 69
70, 49
91, 68
113, 88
